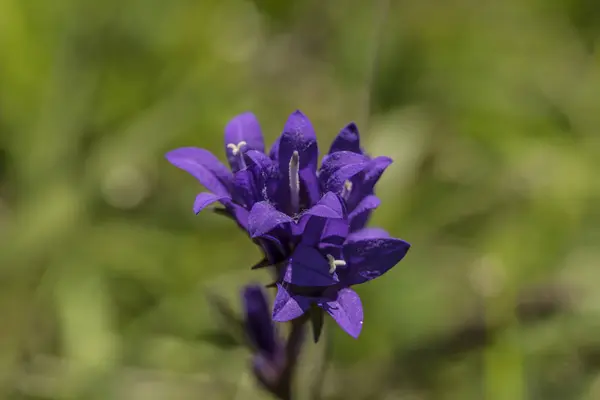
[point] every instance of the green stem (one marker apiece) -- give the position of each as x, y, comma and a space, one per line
293, 346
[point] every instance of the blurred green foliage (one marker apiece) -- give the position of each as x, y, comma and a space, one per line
490, 110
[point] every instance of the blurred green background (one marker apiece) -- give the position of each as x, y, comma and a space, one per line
490, 109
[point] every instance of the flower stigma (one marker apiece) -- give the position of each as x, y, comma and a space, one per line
333, 263
346, 190
295, 181
236, 149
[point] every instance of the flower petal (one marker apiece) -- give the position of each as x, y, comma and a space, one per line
258, 322
264, 218
367, 233
347, 311
242, 128
325, 219
367, 204
322, 232
274, 152
273, 247
265, 175
330, 206
361, 214
376, 168
245, 127
244, 188
339, 167
286, 307
308, 267
204, 166
347, 140
299, 136
310, 190
237, 212
369, 258
255, 157
313, 222
205, 199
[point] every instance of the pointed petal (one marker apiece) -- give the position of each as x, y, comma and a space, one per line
347, 140
339, 167
205, 199
360, 220
367, 204
265, 175
273, 247
259, 325
244, 188
376, 168
204, 166
313, 222
367, 233
286, 307
347, 311
361, 214
299, 135
237, 212
264, 218
308, 267
245, 128
323, 232
310, 191
330, 206
242, 128
274, 152
369, 258
255, 157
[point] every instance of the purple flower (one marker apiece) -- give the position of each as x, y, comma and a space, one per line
359, 189
229, 188
326, 259
288, 178
292, 183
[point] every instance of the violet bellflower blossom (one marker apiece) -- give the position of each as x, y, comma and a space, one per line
359, 190
288, 177
292, 183
242, 133
326, 259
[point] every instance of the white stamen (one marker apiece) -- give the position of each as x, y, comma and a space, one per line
295, 181
333, 263
236, 149
346, 190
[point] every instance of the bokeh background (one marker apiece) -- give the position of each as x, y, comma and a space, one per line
490, 109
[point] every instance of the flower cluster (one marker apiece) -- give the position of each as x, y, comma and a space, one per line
310, 221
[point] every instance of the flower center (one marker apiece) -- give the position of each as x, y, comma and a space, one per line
346, 190
236, 149
295, 182
333, 263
